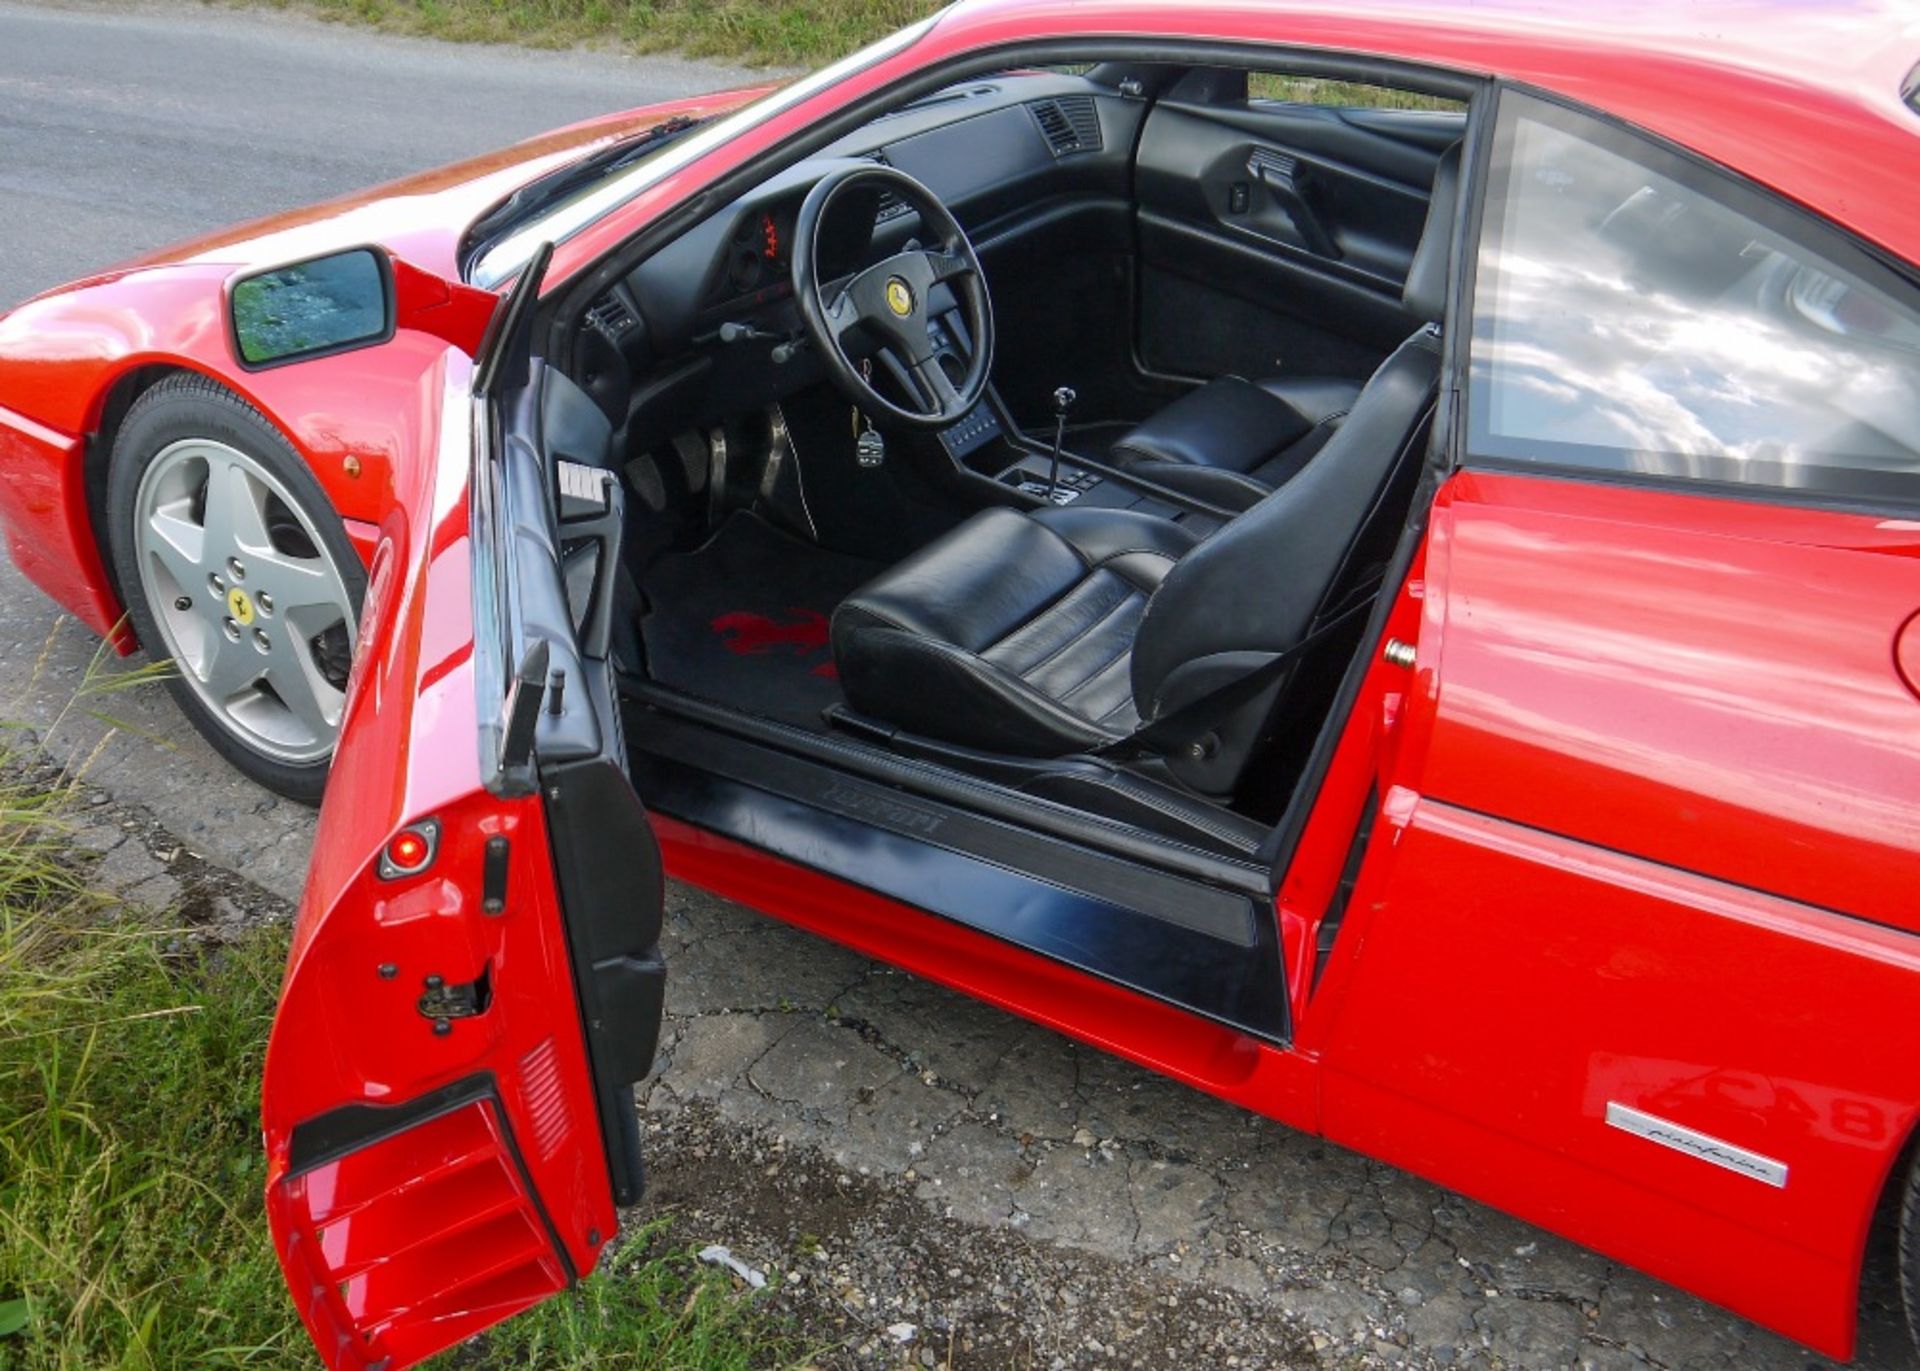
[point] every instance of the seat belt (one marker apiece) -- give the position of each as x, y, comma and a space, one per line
1188, 726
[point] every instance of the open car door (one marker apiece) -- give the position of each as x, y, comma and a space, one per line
475, 981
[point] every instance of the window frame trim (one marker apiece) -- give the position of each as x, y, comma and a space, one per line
1700, 173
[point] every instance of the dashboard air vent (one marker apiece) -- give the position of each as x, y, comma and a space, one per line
891, 205
1069, 124
611, 316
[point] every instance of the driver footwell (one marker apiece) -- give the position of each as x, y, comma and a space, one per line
742, 620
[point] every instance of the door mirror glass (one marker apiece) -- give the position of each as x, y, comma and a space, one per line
309, 309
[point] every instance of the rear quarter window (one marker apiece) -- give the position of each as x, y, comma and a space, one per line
1637, 312
1280, 88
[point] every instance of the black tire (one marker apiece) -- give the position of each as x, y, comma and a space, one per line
1909, 1262
194, 407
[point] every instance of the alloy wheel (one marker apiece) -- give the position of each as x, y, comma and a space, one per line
255, 613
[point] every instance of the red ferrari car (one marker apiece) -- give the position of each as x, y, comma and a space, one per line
1364, 557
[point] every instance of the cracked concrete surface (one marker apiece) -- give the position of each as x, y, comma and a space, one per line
979, 1119
996, 1122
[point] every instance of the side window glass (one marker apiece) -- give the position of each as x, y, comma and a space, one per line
1636, 312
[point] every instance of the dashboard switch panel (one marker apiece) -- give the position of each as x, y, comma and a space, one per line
980, 427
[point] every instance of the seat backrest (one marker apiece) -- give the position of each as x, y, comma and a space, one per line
1256, 586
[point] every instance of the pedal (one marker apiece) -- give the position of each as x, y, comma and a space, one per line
691, 449
643, 474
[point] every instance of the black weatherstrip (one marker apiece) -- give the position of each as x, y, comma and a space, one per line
608, 867
1197, 946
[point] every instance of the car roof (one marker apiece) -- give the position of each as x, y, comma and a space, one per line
1803, 96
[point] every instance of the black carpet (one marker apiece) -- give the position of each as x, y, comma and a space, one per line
743, 620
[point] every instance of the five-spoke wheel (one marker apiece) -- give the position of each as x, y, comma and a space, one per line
235, 566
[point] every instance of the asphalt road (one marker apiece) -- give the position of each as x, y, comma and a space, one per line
123, 129
126, 128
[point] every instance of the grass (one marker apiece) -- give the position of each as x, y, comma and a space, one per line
784, 33
132, 1232
651, 1307
787, 33
130, 1167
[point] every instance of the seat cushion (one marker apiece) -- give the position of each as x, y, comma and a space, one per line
1231, 441
1012, 633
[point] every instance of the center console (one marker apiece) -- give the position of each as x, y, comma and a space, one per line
982, 427
986, 444
1083, 488
1073, 482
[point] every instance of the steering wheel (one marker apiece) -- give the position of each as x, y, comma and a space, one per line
885, 310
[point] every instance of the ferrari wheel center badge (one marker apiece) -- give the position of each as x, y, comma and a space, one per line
240, 606
899, 297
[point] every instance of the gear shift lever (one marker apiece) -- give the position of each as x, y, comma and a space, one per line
1063, 399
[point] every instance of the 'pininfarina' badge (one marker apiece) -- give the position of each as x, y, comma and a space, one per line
1701, 1146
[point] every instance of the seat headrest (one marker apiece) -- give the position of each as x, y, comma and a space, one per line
1425, 293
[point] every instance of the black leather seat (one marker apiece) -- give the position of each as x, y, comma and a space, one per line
1013, 633
1232, 440
1054, 632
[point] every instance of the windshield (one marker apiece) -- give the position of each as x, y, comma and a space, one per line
572, 213
568, 179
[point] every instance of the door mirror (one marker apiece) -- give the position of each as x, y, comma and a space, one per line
313, 308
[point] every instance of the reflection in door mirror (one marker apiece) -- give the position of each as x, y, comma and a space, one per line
308, 309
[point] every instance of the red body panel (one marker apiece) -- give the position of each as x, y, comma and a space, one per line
350, 1032
1803, 99
1596, 977
404, 1247
49, 533
1707, 683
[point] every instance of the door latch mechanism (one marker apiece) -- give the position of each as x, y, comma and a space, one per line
444, 1003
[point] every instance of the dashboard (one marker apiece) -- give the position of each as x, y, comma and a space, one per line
991, 149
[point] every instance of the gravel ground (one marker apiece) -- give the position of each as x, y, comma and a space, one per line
865, 1270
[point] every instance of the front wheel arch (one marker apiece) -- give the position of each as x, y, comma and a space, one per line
1894, 1235
1880, 1279
97, 465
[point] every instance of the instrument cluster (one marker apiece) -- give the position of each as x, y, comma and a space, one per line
759, 256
